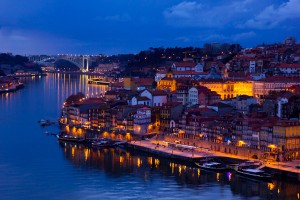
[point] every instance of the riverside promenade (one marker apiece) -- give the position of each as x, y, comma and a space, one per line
161, 148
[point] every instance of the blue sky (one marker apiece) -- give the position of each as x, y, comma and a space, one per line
128, 26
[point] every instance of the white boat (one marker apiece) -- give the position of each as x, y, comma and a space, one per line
102, 144
120, 143
254, 173
212, 166
246, 164
44, 122
70, 138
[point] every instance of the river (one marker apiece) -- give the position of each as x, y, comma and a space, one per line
36, 166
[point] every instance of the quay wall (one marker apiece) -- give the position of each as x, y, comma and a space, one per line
160, 153
218, 147
186, 156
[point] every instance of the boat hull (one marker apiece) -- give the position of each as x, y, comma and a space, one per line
214, 169
69, 139
265, 176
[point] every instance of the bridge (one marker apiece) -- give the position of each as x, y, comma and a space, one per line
81, 61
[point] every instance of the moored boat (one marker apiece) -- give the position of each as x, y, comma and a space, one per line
212, 166
253, 169
70, 138
44, 122
254, 173
102, 144
120, 143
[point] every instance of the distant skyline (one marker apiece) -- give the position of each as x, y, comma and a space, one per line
115, 27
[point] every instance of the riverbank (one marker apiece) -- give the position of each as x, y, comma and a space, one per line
12, 88
284, 169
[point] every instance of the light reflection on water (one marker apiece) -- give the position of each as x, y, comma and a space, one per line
172, 180
35, 166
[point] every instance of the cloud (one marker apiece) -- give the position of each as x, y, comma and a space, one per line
271, 16
21, 41
185, 10
193, 14
183, 39
243, 36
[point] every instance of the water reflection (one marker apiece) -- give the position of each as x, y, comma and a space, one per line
119, 162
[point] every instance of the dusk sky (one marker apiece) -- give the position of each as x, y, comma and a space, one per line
128, 26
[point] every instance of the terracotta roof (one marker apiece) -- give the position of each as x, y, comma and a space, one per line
168, 79
118, 84
280, 79
159, 93
175, 72
184, 64
143, 81
171, 104
286, 65
143, 99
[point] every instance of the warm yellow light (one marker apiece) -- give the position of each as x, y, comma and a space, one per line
121, 159
271, 186
86, 153
172, 167
139, 162
156, 162
272, 146
73, 151
150, 161
241, 142
67, 128
105, 134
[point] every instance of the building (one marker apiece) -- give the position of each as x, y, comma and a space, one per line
157, 97
242, 103
229, 89
104, 68
167, 83
182, 94
202, 95
170, 111
137, 84
252, 66
140, 101
142, 121
286, 140
263, 87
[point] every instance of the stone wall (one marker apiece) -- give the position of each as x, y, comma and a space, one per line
204, 145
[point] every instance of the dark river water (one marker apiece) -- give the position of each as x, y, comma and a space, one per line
36, 166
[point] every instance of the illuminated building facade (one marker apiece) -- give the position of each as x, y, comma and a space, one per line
167, 83
286, 138
229, 89
142, 120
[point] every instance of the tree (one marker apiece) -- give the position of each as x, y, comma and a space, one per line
2, 73
154, 84
66, 65
75, 98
